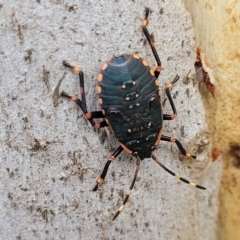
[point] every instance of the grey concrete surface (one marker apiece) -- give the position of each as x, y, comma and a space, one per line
50, 155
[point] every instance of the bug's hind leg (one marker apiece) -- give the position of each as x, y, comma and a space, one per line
151, 42
179, 145
82, 103
168, 86
176, 175
104, 172
129, 191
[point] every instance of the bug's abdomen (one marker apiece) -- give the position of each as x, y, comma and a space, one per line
128, 95
126, 83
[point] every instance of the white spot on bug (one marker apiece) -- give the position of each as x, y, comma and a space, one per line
137, 104
137, 95
149, 124
123, 86
127, 98
152, 98
133, 82
130, 106
129, 130
138, 142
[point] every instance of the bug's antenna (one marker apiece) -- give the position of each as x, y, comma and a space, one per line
176, 175
129, 191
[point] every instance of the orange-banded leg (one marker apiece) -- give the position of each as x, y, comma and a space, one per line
100, 180
88, 115
129, 191
176, 175
151, 42
82, 103
168, 86
179, 145
81, 82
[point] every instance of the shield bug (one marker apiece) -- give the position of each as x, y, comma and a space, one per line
128, 93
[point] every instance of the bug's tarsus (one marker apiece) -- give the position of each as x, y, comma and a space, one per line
74, 68
130, 189
95, 188
63, 94
72, 97
147, 10
175, 79
176, 175
66, 64
100, 180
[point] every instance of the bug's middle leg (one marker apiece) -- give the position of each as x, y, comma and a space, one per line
179, 145
168, 86
82, 103
151, 42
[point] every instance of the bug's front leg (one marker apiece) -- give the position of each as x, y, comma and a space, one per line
82, 103
151, 42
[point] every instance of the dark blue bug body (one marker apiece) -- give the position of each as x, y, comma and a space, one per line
128, 94
130, 105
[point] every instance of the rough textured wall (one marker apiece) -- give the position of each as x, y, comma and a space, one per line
217, 30
50, 155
